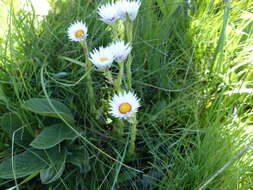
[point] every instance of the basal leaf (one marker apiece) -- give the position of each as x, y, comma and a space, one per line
43, 107
52, 136
3, 97
54, 172
28, 162
12, 125
79, 157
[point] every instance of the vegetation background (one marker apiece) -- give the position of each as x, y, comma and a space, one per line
192, 70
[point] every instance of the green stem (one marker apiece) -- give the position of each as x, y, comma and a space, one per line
91, 96
119, 128
129, 71
118, 83
115, 32
129, 31
133, 135
129, 38
108, 76
120, 77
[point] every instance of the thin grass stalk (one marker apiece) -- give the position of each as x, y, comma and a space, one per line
218, 55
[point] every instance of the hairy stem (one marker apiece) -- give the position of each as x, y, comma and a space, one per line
108, 76
129, 38
133, 135
119, 128
91, 97
115, 32
120, 77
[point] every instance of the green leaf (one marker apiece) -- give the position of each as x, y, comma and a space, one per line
73, 61
126, 176
151, 178
12, 125
28, 162
43, 107
52, 136
3, 97
79, 157
54, 172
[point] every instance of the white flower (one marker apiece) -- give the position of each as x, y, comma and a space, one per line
120, 50
77, 31
124, 105
128, 9
102, 58
109, 13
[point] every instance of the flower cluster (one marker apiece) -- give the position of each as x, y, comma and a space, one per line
124, 104
123, 9
103, 57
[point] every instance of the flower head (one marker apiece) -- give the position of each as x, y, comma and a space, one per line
120, 50
128, 9
77, 31
102, 58
124, 105
109, 13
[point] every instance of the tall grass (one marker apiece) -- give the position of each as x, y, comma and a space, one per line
192, 70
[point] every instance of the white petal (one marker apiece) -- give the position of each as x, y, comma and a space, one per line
73, 28
127, 8
102, 58
109, 13
120, 50
121, 98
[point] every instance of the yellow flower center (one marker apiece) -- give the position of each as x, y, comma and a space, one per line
125, 108
79, 33
103, 59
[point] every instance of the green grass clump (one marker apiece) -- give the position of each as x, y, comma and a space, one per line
191, 70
